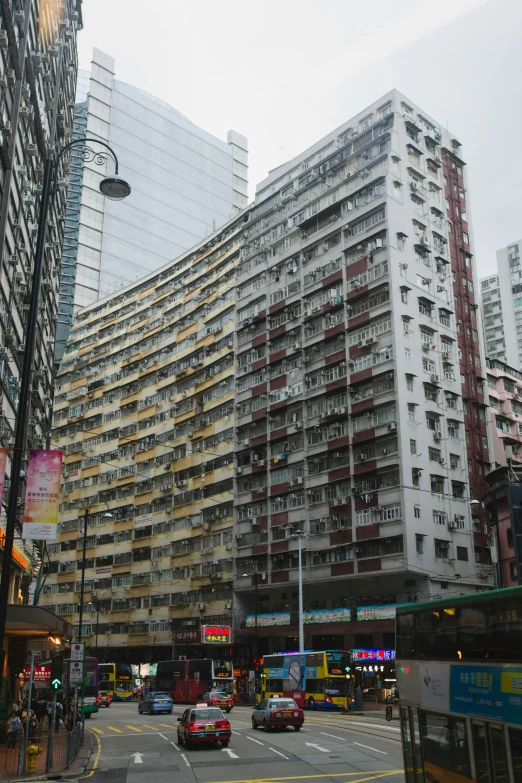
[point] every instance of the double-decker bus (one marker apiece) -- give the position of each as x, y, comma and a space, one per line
316, 680
116, 679
90, 686
459, 676
187, 681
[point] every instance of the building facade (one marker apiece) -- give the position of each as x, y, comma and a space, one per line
185, 184
501, 296
144, 413
360, 395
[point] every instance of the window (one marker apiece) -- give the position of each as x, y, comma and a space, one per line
415, 477
460, 521
411, 411
462, 553
513, 570
409, 382
417, 512
437, 484
441, 548
509, 537
439, 517
419, 544
413, 446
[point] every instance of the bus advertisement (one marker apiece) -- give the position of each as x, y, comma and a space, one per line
316, 680
187, 681
459, 676
116, 679
90, 686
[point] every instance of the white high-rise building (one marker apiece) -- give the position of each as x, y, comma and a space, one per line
360, 397
185, 184
501, 299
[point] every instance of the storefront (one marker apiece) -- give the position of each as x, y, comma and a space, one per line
374, 671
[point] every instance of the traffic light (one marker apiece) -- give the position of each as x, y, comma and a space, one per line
347, 670
56, 671
262, 675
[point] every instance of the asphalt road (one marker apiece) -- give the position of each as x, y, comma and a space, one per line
134, 748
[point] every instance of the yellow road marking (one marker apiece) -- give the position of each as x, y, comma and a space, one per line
113, 728
367, 776
167, 725
96, 758
133, 728
149, 727
98, 731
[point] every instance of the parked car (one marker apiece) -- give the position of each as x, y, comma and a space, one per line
203, 724
219, 699
104, 699
155, 702
277, 713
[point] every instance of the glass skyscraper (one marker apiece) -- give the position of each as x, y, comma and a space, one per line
185, 184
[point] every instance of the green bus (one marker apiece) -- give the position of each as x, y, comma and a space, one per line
459, 676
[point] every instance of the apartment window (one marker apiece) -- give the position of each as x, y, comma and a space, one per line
465, 237
415, 477
404, 296
509, 537
419, 544
407, 354
513, 570
434, 454
462, 553
417, 512
441, 548
413, 446
411, 411
460, 521
439, 517
437, 484
409, 382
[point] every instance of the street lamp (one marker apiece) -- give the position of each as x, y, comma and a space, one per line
112, 187
299, 534
107, 515
256, 645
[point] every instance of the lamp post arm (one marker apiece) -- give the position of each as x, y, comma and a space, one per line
90, 154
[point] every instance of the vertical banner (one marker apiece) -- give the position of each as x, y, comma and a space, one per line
42, 493
3, 462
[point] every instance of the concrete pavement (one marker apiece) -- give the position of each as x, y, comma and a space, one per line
132, 748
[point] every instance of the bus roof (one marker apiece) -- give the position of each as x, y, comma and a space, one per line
462, 600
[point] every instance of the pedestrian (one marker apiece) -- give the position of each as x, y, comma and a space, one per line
13, 725
58, 717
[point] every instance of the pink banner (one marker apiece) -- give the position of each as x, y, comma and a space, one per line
42, 494
3, 462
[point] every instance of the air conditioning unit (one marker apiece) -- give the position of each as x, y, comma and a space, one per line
201, 606
392, 427
370, 341
295, 482
245, 442
261, 463
360, 457
452, 525
181, 484
385, 451
298, 425
434, 378
437, 435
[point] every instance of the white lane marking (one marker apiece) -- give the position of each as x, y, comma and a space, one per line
185, 759
254, 740
137, 758
332, 735
376, 726
279, 754
318, 747
236, 732
370, 748
175, 746
164, 737
303, 729
230, 752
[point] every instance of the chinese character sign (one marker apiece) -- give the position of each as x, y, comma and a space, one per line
373, 655
42, 495
216, 634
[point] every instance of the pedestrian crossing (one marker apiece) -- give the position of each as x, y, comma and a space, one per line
143, 728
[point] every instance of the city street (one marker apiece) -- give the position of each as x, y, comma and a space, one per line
132, 748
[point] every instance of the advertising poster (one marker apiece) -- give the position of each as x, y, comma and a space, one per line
269, 619
42, 495
340, 615
491, 691
434, 685
386, 612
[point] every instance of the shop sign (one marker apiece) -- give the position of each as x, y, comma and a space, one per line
41, 673
216, 634
186, 636
386, 612
373, 655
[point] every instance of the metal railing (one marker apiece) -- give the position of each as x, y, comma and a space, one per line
57, 751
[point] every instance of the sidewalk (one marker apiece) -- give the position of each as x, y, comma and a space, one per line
9, 761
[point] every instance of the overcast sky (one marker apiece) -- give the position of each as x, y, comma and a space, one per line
285, 73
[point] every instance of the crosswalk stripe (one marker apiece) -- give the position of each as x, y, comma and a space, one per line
113, 728
149, 727
98, 731
133, 728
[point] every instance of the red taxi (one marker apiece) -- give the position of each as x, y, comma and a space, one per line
219, 699
277, 713
103, 699
203, 724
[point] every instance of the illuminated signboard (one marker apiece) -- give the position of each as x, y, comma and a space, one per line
373, 655
41, 673
216, 634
